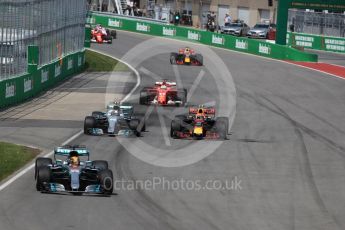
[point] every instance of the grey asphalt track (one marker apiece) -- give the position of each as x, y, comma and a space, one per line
286, 149
329, 57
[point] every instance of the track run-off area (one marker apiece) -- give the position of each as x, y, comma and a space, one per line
283, 166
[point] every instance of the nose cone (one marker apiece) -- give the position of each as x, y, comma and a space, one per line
198, 131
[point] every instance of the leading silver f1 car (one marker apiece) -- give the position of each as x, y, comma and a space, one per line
118, 120
72, 175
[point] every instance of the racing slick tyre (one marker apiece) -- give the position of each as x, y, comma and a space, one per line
89, 123
133, 125
102, 165
96, 114
175, 126
222, 124
43, 177
181, 96
200, 59
109, 39
143, 97
173, 57
40, 162
113, 34
106, 181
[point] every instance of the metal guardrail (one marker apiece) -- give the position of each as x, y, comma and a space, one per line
55, 26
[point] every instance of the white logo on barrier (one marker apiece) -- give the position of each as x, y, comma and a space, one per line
168, 31
57, 70
218, 40
114, 23
28, 84
44, 75
241, 44
142, 27
334, 44
79, 60
264, 49
10, 90
304, 41
91, 20
70, 64
193, 36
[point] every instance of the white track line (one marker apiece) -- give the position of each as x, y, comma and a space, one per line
131, 67
28, 168
163, 126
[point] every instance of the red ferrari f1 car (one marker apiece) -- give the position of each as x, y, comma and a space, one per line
163, 93
200, 123
186, 56
102, 35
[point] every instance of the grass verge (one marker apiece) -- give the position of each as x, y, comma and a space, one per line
13, 157
96, 62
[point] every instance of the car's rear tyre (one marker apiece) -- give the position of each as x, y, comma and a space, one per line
143, 98
200, 59
43, 177
175, 127
89, 123
97, 114
173, 57
106, 181
133, 125
113, 34
222, 125
40, 162
102, 165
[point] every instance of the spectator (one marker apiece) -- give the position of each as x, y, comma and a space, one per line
227, 20
144, 11
213, 15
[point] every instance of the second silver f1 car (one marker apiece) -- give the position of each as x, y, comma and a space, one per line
118, 120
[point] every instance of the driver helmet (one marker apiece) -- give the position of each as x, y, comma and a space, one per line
199, 117
74, 158
187, 49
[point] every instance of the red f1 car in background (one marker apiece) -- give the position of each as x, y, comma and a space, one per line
186, 56
200, 123
163, 93
102, 35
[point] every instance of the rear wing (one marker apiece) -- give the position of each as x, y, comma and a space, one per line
207, 111
168, 83
67, 149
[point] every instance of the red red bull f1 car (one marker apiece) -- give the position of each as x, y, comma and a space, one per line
200, 123
186, 56
163, 93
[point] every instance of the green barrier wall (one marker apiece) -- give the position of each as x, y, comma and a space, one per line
257, 47
36, 80
334, 44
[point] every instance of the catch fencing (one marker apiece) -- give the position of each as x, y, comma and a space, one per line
56, 27
318, 23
